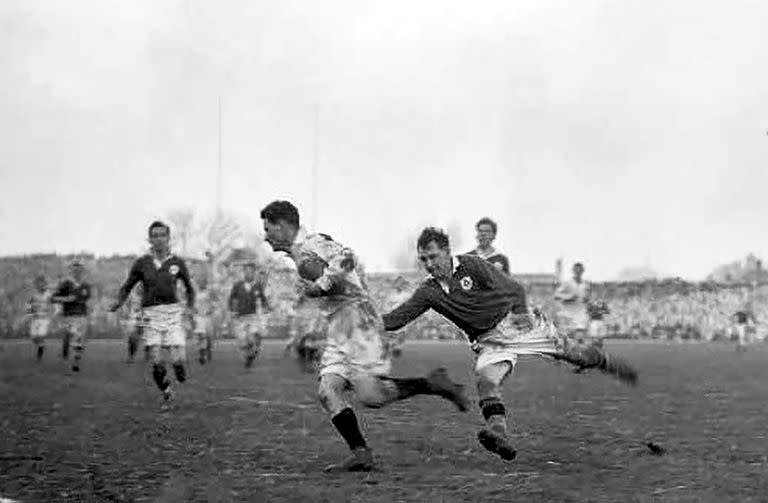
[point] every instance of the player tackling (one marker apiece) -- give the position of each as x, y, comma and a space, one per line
159, 272
355, 356
491, 309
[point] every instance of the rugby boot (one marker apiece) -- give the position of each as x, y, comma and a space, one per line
361, 460
497, 442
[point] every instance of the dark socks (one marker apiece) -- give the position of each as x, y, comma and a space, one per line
159, 375
346, 424
181, 374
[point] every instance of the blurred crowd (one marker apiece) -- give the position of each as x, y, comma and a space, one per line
647, 310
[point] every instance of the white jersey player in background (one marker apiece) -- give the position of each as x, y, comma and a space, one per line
40, 311
202, 321
572, 297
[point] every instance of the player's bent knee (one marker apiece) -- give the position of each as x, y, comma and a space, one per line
330, 392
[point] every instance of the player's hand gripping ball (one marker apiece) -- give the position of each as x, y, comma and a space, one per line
311, 267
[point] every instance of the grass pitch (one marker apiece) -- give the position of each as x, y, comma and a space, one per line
261, 436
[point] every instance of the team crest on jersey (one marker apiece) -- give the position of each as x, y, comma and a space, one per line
174, 269
466, 283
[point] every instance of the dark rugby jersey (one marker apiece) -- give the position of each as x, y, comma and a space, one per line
81, 292
497, 259
159, 284
479, 297
245, 299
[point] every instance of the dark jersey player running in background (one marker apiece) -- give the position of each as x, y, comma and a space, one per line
248, 305
73, 295
159, 273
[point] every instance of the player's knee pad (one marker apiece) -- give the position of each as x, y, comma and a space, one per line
330, 392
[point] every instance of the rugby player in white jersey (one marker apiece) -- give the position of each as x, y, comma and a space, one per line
572, 297
39, 311
355, 356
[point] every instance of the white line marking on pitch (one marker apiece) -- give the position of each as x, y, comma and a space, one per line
268, 402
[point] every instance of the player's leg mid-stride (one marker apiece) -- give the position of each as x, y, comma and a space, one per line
355, 358
496, 356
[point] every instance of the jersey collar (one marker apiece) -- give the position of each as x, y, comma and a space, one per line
159, 263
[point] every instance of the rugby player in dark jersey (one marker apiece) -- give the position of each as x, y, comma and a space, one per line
491, 309
73, 295
159, 273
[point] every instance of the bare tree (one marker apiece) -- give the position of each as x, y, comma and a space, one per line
218, 234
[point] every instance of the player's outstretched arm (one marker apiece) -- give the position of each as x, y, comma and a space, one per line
418, 304
134, 276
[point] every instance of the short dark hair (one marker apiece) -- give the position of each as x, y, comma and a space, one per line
281, 210
433, 234
158, 224
487, 221
578, 264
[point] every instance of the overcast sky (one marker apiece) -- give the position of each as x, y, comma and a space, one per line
619, 133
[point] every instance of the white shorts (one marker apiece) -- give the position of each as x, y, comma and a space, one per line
39, 327
247, 325
597, 329
164, 325
354, 344
741, 334
512, 337
571, 320
312, 320
203, 325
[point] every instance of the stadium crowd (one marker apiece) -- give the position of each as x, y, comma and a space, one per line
672, 309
